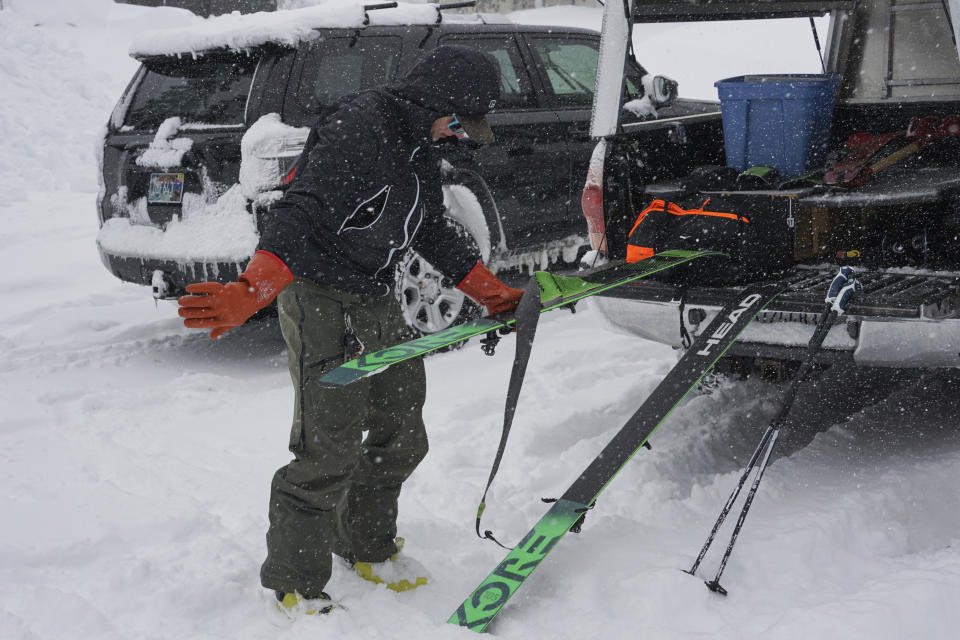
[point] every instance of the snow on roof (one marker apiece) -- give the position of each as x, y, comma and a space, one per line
289, 27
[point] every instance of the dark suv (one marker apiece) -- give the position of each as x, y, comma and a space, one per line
172, 155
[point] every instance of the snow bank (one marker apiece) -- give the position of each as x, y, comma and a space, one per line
236, 31
64, 66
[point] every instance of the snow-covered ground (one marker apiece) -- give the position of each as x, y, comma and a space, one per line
136, 455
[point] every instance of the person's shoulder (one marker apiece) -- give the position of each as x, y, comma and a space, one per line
352, 125
352, 109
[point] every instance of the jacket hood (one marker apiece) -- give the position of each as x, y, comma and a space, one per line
453, 79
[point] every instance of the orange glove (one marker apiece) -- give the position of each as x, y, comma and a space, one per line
485, 289
221, 307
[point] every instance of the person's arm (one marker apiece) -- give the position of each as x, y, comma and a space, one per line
445, 244
221, 307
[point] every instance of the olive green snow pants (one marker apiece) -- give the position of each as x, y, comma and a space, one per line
339, 494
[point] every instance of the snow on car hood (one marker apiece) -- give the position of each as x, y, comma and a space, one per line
290, 27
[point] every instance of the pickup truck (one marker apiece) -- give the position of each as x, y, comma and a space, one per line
897, 63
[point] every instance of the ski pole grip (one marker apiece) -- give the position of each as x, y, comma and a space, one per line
843, 297
839, 281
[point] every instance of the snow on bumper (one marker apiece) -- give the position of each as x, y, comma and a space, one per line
223, 232
885, 342
211, 242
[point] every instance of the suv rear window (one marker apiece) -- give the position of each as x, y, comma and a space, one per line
334, 67
516, 90
211, 89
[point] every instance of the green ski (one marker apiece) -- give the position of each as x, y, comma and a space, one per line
486, 601
555, 291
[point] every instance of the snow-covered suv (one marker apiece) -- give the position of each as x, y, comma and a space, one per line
210, 125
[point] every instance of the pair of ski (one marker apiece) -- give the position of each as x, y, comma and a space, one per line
488, 599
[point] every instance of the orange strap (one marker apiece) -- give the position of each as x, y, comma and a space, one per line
636, 254
673, 209
677, 211
656, 205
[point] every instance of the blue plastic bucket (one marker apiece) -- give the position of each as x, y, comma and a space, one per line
780, 121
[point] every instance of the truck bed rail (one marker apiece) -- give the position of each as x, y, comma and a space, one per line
886, 294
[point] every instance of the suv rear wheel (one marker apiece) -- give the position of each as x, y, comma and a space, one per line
429, 300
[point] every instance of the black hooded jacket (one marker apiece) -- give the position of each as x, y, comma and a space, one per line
368, 182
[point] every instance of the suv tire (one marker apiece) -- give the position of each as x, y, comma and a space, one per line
430, 301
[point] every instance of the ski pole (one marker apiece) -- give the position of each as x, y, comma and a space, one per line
818, 336
770, 436
733, 497
843, 285
714, 585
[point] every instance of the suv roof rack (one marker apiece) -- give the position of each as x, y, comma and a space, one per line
453, 5
374, 7
288, 28
494, 18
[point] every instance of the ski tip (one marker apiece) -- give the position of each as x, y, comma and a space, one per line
341, 377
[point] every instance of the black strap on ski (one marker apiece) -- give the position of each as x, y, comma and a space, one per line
685, 339
527, 316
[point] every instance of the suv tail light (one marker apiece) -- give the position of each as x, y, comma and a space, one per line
591, 202
269, 153
286, 156
290, 174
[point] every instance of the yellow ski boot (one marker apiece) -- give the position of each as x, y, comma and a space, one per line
295, 606
399, 572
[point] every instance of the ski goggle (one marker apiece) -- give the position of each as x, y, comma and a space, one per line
456, 128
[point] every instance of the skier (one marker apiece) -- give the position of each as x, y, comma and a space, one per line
367, 187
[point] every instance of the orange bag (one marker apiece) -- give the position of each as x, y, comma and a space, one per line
665, 225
